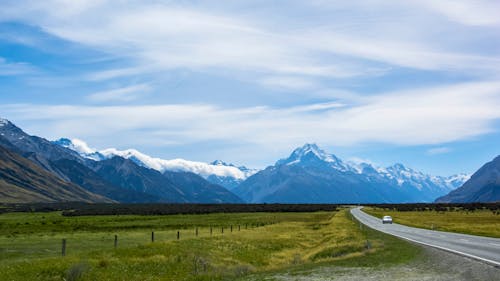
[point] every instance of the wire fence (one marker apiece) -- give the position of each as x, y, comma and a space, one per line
15, 247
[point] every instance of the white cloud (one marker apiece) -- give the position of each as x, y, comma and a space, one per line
438, 150
476, 13
161, 36
128, 93
289, 82
425, 116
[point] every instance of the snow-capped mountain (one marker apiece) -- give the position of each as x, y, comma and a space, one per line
81, 148
310, 174
312, 154
218, 172
228, 181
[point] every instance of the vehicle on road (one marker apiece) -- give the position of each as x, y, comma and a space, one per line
387, 219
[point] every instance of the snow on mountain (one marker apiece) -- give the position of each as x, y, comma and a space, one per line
81, 148
310, 153
214, 171
310, 174
3, 122
397, 173
403, 175
247, 171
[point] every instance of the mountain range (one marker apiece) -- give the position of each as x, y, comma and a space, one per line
310, 175
34, 169
217, 172
114, 180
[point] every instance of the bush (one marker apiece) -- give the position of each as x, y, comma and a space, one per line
76, 271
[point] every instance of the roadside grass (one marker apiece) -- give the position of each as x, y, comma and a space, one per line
291, 241
386, 251
477, 222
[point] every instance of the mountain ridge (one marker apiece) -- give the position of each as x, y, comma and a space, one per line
70, 166
483, 186
310, 166
217, 172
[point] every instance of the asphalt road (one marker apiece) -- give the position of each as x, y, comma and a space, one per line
482, 248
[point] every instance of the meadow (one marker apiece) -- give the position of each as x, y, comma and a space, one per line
259, 243
483, 222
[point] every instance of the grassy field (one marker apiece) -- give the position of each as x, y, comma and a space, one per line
30, 245
477, 222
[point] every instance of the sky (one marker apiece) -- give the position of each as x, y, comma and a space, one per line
415, 82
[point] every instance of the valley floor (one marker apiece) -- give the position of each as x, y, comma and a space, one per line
261, 246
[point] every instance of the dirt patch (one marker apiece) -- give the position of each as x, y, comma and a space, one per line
435, 265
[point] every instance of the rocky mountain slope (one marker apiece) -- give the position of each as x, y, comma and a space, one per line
132, 184
21, 181
483, 186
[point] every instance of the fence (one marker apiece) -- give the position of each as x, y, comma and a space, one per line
63, 244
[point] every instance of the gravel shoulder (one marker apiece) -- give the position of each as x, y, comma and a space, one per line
433, 265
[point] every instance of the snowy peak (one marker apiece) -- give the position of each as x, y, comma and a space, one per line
458, 180
311, 150
3, 122
310, 154
81, 148
215, 170
244, 169
220, 163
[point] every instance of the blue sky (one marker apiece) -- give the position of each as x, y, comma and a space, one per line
415, 82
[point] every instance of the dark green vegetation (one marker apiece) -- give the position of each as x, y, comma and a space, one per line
482, 220
84, 209
264, 242
483, 186
439, 207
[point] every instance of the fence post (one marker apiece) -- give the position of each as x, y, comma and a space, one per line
246, 225
239, 227
116, 241
196, 231
210, 230
231, 228
222, 230
178, 235
152, 236
63, 250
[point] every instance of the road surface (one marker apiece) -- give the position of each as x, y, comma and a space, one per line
482, 248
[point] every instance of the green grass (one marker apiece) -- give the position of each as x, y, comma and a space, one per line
478, 222
30, 246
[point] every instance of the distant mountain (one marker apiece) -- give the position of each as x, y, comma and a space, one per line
310, 175
92, 181
217, 172
200, 190
23, 181
125, 182
66, 164
125, 173
483, 186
